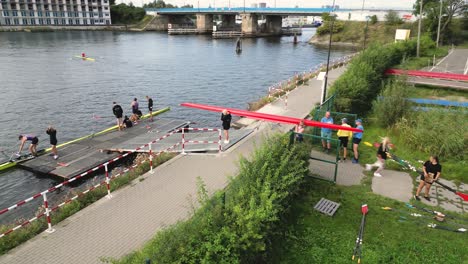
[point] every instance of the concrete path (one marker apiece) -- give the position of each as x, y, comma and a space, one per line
116, 227
394, 184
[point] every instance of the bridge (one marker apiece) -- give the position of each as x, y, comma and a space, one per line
170, 18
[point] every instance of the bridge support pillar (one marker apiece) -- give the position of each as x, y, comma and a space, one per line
204, 23
228, 21
274, 24
249, 24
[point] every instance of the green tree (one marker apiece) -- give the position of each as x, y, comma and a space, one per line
373, 20
431, 10
158, 4
392, 18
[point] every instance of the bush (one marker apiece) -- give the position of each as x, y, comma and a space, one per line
373, 20
392, 18
392, 104
438, 132
362, 81
233, 226
338, 26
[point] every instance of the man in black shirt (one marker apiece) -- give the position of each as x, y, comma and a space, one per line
431, 173
118, 112
150, 106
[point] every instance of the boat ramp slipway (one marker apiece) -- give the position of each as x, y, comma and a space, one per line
81, 156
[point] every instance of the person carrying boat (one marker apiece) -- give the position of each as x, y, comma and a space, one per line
431, 173
53, 140
134, 106
32, 148
226, 118
150, 106
118, 112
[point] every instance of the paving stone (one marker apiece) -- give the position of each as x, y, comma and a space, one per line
448, 183
433, 202
448, 195
463, 188
451, 206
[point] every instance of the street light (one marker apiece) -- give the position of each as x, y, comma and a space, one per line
329, 49
438, 27
419, 27
365, 30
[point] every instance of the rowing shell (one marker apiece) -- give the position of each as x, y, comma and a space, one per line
270, 117
84, 58
11, 163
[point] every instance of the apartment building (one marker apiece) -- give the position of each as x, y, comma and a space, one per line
54, 12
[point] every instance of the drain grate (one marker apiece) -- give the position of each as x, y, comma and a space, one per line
327, 207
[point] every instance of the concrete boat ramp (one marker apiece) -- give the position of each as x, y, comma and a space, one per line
84, 155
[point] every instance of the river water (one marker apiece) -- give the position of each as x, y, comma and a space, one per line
41, 83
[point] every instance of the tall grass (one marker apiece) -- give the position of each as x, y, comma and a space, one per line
438, 132
392, 104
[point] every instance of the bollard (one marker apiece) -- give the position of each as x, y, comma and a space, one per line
219, 140
47, 213
183, 141
151, 158
107, 182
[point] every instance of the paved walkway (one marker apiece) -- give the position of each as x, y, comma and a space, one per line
115, 227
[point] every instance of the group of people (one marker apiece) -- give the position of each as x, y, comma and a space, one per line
125, 121
51, 131
344, 137
431, 169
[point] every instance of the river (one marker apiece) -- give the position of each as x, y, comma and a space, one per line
43, 84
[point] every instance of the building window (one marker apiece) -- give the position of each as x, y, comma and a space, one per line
16, 21
6, 13
77, 21
70, 21
107, 22
85, 22
25, 21
33, 21
7, 21
64, 22
47, 14
69, 14
48, 21
55, 14
31, 13
15, 13
39, 13
92, 21
41, 21
56, 21
23, 13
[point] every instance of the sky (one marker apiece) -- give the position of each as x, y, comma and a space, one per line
403, 4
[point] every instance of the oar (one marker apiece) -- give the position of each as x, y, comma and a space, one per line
440, 214
464, 196
357, 249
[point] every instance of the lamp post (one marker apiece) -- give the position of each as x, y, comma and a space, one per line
365, 31
419, 27
438, 27
329, 50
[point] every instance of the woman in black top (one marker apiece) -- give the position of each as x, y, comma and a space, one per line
431, 173
226, 118
53, 140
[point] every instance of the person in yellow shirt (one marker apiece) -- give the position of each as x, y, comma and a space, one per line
344, 136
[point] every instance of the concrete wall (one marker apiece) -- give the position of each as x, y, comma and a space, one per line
161, 22
204, 23
228, 21
249, 23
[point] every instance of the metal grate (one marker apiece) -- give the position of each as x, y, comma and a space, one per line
327, 207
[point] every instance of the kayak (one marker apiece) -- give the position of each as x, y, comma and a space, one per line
13, 162
85, 58
270, 117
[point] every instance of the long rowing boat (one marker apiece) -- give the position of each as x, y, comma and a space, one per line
13, 162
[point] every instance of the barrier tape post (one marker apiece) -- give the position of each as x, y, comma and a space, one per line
47, 213
183, 141
151, 158
109, 195
219, 140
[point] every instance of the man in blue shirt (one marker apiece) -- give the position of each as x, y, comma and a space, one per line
326, 132
357, 137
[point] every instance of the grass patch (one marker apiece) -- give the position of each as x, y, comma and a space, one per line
142, 24
452, 168
29, 231
311, 237
429, 92
425, 60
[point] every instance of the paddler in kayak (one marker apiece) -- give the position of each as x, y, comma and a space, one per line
32, 148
